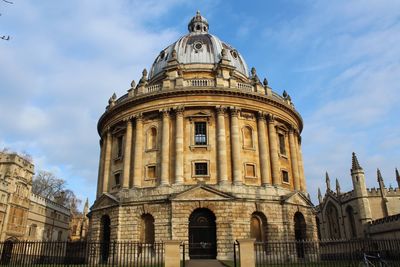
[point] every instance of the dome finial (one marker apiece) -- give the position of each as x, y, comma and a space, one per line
198, 24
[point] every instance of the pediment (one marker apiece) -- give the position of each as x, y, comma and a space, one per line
202, 192
105, 201
297, 198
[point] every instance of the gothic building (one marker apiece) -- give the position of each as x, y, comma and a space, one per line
360, 213
201, 151
24, 215
79, 224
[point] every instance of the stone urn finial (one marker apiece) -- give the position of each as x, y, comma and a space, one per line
111, 101
265, 82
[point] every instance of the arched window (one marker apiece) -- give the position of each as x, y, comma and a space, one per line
152, 138
59, 236
32, 231
147, 229
74, 229
247, 137
258, 227
351, 221
318, 227
333, 221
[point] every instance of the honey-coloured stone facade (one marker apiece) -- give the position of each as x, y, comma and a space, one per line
201, 134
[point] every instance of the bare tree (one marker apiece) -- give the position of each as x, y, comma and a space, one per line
47, 185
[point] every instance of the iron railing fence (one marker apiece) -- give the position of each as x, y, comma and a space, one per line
34, 253
328, 253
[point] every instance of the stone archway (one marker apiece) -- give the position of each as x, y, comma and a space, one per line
105, 237
6, 253
300, 233
202, 234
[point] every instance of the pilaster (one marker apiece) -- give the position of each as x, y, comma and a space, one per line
264, 151
179, 145
273, 143
165, 147
137, 176
107, 162
221, 139
293, 159
127, 154
235, 142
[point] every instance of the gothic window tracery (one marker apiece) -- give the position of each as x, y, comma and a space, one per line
333, 221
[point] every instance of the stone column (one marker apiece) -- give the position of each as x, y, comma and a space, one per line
127, 154
273, 148
235, 143
179, 146
293, 159
300, 163
101, 168
165, 148
107, 162
221, 145
264, 152
138, 168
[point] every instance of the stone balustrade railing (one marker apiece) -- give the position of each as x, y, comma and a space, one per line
154, 88
200, 83
245, 87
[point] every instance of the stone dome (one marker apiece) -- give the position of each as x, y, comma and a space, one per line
199, 47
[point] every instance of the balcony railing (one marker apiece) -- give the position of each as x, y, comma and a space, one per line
200, 83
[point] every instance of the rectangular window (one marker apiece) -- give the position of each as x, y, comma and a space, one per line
201, 168
250, 170
282, 149
117, 177
285, 177
200, 133
151, 172
119, 146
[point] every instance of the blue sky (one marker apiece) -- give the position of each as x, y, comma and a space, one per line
339, 61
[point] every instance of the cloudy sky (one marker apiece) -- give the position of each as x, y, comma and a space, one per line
339, 61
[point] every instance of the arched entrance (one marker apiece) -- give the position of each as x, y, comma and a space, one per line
258, 227
7, 252
202, 235
105, 238
300, 233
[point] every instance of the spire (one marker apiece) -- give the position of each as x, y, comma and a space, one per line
86, 207
354, 163
319, 196
337, 186
397, 178
380, 179
327, 181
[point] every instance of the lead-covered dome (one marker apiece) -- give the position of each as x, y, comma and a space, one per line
198, 46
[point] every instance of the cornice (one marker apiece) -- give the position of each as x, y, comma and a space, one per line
125, 102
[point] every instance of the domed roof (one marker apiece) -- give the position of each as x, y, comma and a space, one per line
198, 46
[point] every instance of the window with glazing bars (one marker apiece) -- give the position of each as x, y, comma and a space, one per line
200, 133
201, 168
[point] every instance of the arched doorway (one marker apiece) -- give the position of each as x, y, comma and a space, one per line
105, 238
6, 254
202, 235
147, 232
258, 227
300, 233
